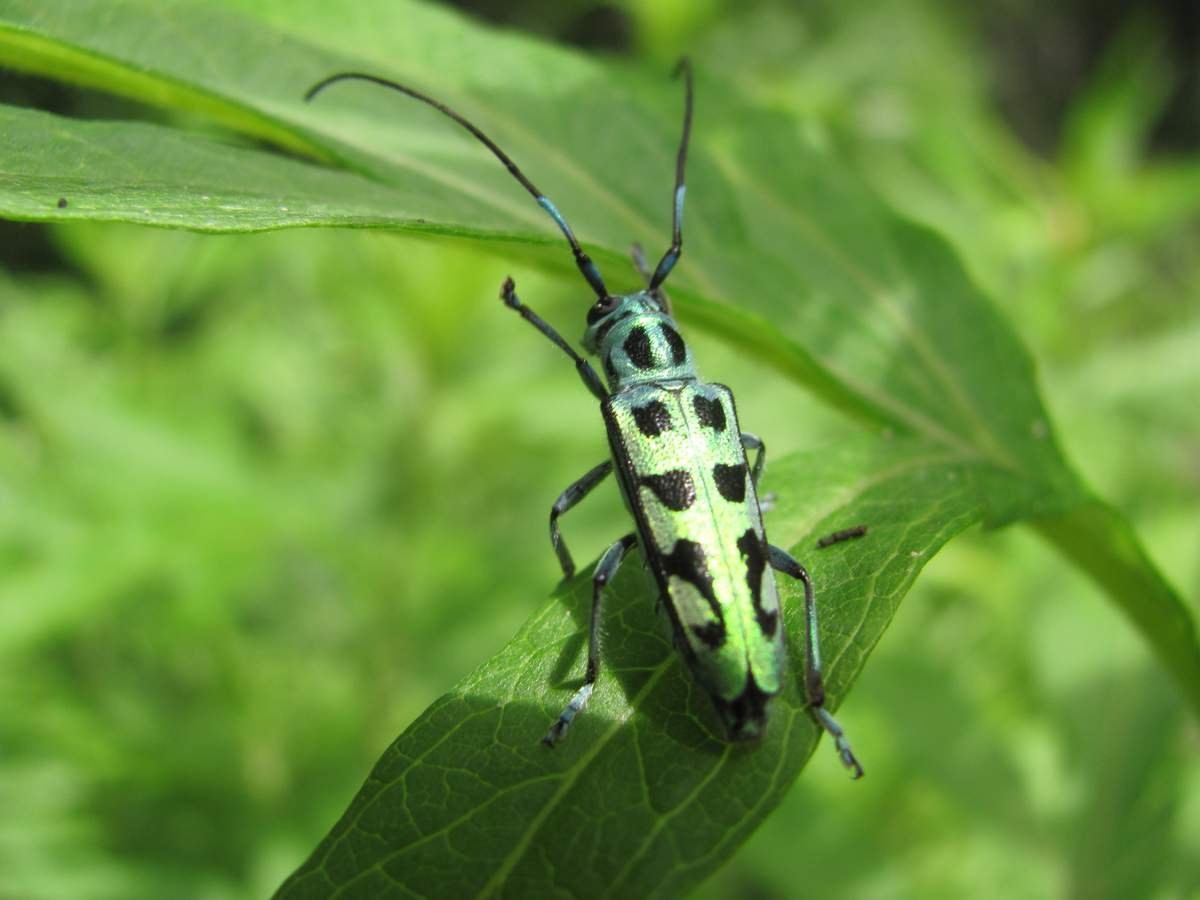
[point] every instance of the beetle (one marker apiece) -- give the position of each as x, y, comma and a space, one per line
680, 460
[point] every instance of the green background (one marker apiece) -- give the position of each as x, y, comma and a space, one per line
263, 498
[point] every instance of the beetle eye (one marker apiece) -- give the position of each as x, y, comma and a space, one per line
601, 308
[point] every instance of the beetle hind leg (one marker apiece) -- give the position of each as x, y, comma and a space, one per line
814, 683
829, 723
605, 570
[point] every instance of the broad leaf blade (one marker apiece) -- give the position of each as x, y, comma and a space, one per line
153, 175
775, 226
644, 798
118, 47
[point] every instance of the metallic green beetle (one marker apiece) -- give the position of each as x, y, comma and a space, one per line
680, 459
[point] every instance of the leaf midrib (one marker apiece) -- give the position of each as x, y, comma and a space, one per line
661, 821
572, 775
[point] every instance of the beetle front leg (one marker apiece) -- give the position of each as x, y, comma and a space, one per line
566, 500
508, 293
605, 570
814, 685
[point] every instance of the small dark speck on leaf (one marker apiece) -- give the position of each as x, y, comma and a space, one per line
62, 202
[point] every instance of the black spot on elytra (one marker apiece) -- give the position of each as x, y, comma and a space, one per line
710, 412
675, 489
652, 419
755, 558
678, 348
711, 633
688, 562
637, 348
731, 481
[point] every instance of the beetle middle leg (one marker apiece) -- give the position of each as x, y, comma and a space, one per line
605, 570
814, 684
566, 500
753, 442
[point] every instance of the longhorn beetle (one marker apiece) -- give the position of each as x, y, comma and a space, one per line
681, 464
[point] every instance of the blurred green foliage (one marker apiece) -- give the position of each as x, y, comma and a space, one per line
263, 498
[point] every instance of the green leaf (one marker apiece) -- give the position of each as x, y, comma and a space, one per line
644, 798
153, 175
871, 311
787, 256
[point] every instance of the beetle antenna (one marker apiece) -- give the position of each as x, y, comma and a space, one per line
667, 263
582, 260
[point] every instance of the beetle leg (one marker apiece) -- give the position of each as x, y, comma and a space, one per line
566, 500
814, 685
508, 293
754, 442
605, 570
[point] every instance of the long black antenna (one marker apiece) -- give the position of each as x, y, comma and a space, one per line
667, 263
586, 266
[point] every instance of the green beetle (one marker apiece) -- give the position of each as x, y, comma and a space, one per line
680, 460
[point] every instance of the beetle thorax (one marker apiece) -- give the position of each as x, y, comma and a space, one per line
637, 342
